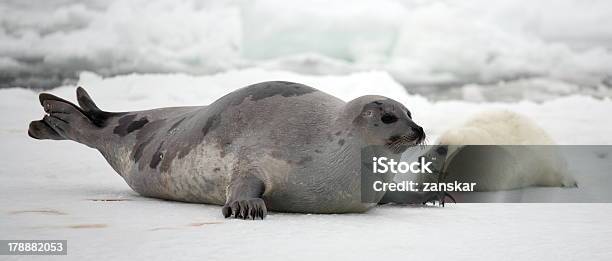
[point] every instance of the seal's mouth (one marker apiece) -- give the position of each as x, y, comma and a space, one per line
399, 143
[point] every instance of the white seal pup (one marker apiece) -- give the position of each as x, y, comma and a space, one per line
274, 145
502, 167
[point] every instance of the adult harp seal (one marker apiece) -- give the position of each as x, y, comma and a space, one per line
274, 145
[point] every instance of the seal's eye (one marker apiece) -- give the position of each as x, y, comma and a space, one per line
388, 118
409, 114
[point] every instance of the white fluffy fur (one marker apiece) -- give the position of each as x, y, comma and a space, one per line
496, 128
517, 166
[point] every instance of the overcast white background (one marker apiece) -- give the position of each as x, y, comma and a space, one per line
422, 44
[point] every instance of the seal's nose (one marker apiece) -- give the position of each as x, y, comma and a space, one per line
418, 130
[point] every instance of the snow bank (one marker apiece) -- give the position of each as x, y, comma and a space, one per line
418, 42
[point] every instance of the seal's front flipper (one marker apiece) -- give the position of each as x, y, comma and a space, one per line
244, 198
416, 197
437, 196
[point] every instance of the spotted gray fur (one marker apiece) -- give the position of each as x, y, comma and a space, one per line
278, 145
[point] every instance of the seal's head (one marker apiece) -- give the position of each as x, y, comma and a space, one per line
383, 121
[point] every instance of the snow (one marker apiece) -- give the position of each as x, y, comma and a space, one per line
55, 190
420, 43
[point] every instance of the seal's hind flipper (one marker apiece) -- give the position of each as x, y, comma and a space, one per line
65, 121
85, 101
91, 110
40, 130
50, 97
